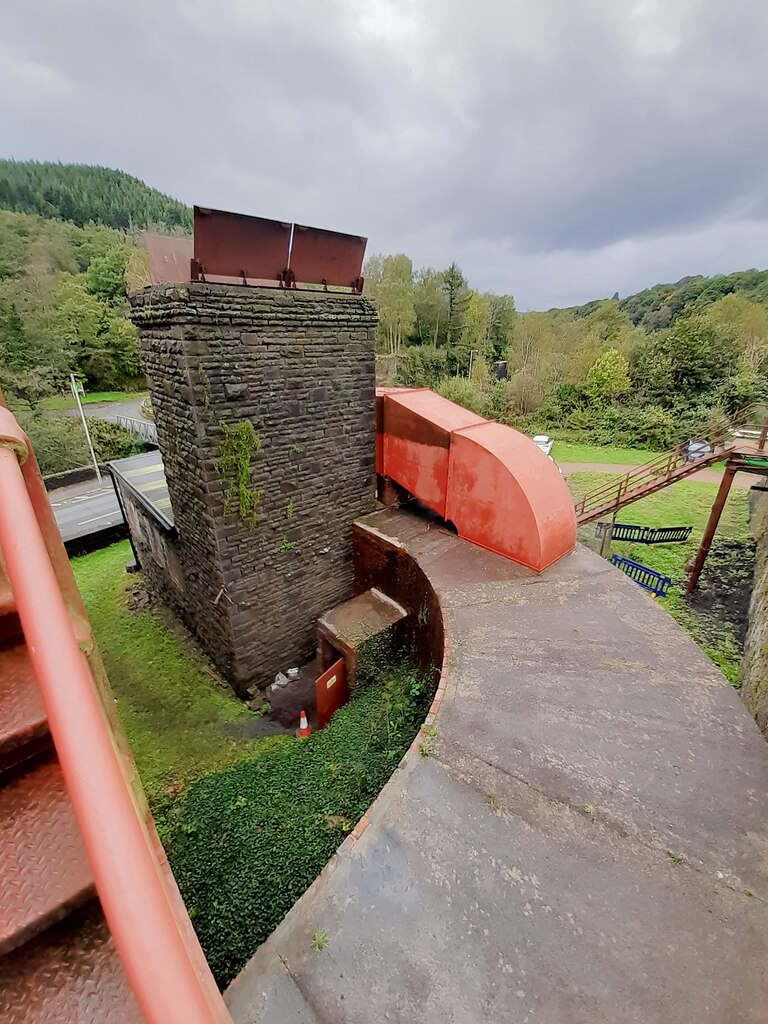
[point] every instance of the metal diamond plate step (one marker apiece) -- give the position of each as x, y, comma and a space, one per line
43, 866
9, 620
23, 725
69, 975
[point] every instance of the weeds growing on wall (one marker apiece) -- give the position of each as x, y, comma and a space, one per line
245, 844
239, 444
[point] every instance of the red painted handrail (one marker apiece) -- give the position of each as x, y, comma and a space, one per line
170, 986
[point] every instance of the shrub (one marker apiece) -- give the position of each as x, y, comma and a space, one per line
57, 441
466, 393
244, 844
111, 441
421, 366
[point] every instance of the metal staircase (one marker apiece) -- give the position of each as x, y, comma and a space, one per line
742, 444
92, 928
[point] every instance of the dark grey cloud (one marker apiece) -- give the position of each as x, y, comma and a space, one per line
556, 150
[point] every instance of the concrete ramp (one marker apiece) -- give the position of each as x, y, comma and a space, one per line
586, 841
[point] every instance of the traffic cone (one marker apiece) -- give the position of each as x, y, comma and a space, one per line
304, 729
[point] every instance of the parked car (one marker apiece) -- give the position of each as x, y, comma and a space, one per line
543, 441
697, 450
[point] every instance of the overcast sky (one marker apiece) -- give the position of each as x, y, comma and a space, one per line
560, 150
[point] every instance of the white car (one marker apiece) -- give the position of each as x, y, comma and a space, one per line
697, 450
543, 441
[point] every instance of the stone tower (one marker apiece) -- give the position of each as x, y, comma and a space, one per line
264, 405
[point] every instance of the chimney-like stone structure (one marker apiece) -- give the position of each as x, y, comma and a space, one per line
263, 516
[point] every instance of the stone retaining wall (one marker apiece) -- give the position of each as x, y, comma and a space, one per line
754, 665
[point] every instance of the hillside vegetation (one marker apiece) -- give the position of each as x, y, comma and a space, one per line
84, 195
650, 370
658, 307
645, 371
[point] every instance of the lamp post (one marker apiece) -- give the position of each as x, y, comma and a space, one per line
76, 389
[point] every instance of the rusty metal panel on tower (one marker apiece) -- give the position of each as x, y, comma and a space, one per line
239, 249
327, 258
168, 258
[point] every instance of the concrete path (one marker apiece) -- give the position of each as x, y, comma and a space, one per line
704, 476
587, 844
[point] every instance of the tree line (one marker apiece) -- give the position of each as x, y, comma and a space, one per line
83, 194
63, 309
651, 369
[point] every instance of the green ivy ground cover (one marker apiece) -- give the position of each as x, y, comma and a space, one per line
245, 843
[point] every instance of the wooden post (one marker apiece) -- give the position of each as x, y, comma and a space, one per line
605, 543
709, 533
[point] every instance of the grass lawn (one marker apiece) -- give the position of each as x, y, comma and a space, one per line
67, 402
177, 719
563, 452
681, 504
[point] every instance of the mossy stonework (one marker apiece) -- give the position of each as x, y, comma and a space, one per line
239, 444
263, 400
754, 666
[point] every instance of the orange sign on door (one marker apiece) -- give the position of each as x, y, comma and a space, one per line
330, 692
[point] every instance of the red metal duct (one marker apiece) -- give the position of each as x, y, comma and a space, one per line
492, 482
416, 441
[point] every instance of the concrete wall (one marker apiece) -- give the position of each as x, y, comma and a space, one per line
299, 365
754, 665
389, 567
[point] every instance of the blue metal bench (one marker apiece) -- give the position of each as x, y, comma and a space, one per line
668, 535
646, 578
646, 534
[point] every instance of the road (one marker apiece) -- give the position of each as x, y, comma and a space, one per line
130, 407
85, 508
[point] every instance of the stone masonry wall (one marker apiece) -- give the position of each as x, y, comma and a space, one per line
299, 365
754, 664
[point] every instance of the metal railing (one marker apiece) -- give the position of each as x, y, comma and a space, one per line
163, 963
646, 578
644, 534
140, 428
674, 465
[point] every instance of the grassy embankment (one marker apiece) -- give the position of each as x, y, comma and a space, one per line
178, 721
563, 451
67, 402
247, 824
685, 504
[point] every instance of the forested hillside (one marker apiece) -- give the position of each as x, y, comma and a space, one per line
63, 310
82, 194
657, 307
648, 370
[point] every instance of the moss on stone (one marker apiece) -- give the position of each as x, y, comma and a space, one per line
239, 444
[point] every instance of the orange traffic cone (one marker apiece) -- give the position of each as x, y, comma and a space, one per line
304, 729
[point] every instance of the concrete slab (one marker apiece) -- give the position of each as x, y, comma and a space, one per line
588, 842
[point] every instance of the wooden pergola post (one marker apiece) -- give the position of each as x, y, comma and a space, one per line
709, 533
